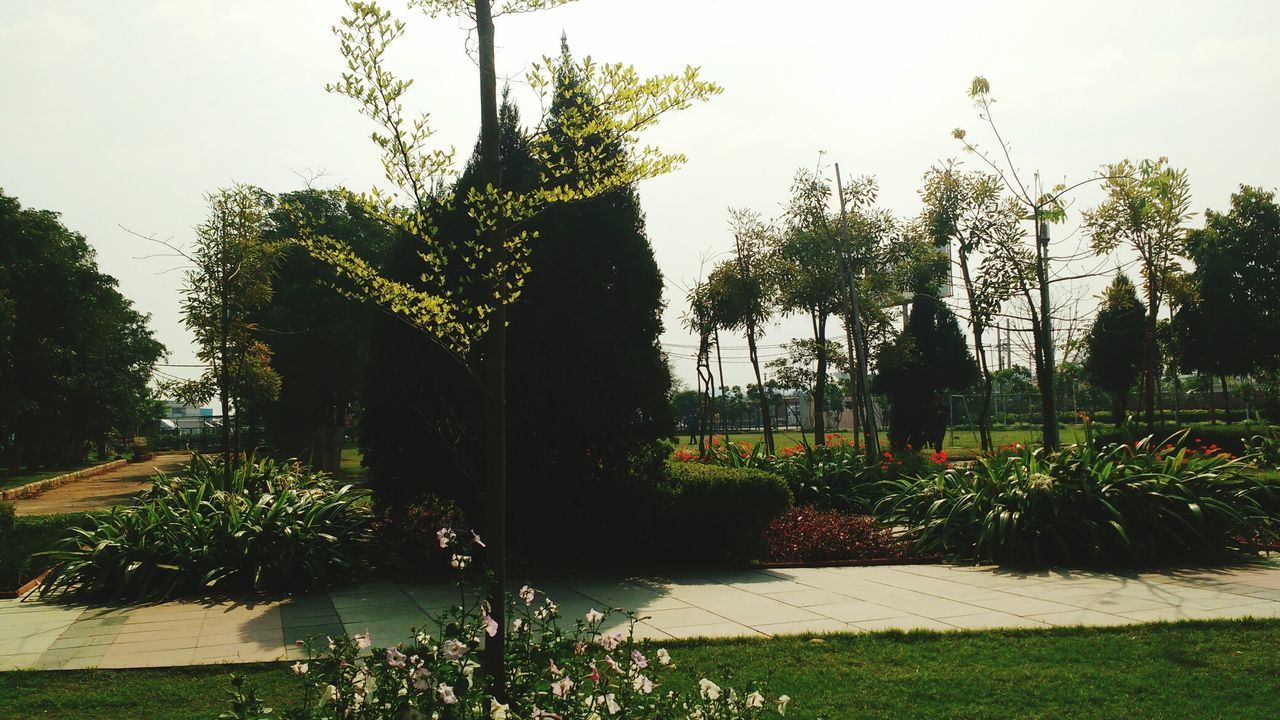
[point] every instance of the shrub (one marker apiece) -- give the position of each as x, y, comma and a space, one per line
836, 475
1265, 446
1139, 504
598, 669
405, 535
20, 547
7, 514
273, 527
806, 534
717, 513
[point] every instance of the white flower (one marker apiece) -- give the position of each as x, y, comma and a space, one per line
594, 616
476, 539
664, 657
497, 711
782, 704
527, 595
612, 704
420, 677
490, 625
755, 700
300, 668
364, 642
642, 684
445, 536
446, 694
708, 689
517, 624
331, 694
460, 561
453, 649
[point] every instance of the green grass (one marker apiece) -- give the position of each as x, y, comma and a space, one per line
31, 534
350, 470
962, 441
1221, 669
22, 478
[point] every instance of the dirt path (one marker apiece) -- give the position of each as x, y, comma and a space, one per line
103, 491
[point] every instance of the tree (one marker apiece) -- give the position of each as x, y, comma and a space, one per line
747, 295
968, 209
465, 309
1028, 268
1114, 344
1146, 207
1231, 323
918, 371
808, 370
227, 285
76, 358
809, 269
319, 342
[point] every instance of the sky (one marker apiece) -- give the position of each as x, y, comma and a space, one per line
122, 116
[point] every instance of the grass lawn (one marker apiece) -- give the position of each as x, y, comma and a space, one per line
1220, 669
22, 478
31, 534
958, 441
350, 470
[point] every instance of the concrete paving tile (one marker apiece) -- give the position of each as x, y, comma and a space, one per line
803, 627
166, 614
129, 646
713, 630
991, 620
667, 620
239, 652
136, 633
1082, 617
18, 661
1023, 606
86, 641
762, 610
912, 622
162, 658
265, 637
1116, 604
809, 597
937, 607
855, 611
302, 632
84, 663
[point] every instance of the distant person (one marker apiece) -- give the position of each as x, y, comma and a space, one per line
691, 424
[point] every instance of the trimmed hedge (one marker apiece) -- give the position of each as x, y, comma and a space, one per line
714, 513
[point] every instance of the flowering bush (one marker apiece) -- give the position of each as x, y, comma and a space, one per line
806, 534
836, 475
1119, 504
595, 671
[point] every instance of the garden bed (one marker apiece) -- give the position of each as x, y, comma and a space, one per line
20, 566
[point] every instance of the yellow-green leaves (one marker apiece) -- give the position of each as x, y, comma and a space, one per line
464, 280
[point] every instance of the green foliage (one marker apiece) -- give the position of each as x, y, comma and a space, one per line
1231, 324
30, 535
319, 341
1117, 505
7, 514
917, 370
1114, 344
268, 527
713, 513
75, 356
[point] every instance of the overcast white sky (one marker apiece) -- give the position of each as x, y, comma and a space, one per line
126, 113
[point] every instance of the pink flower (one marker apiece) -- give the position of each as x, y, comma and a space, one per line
453, 649
561, 687
476, 539
642, 685
555, 670
444, 536
639, 660
611, 641
594, 616
446, 694
527, 595
490, 625
395, 658
595, 674
364, 642
613, 664
421, 678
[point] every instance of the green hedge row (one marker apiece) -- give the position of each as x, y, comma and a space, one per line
712, 513
22, 537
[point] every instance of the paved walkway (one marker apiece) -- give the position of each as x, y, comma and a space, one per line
691, 604
101, 492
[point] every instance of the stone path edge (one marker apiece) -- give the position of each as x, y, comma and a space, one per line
32, 489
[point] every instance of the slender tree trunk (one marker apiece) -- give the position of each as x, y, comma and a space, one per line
1044, 338
724, 414
1149, 357
1177, 398
766, 419
820, 383
984, 409
495, 370
1212, 419
854, 380
1226, 400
